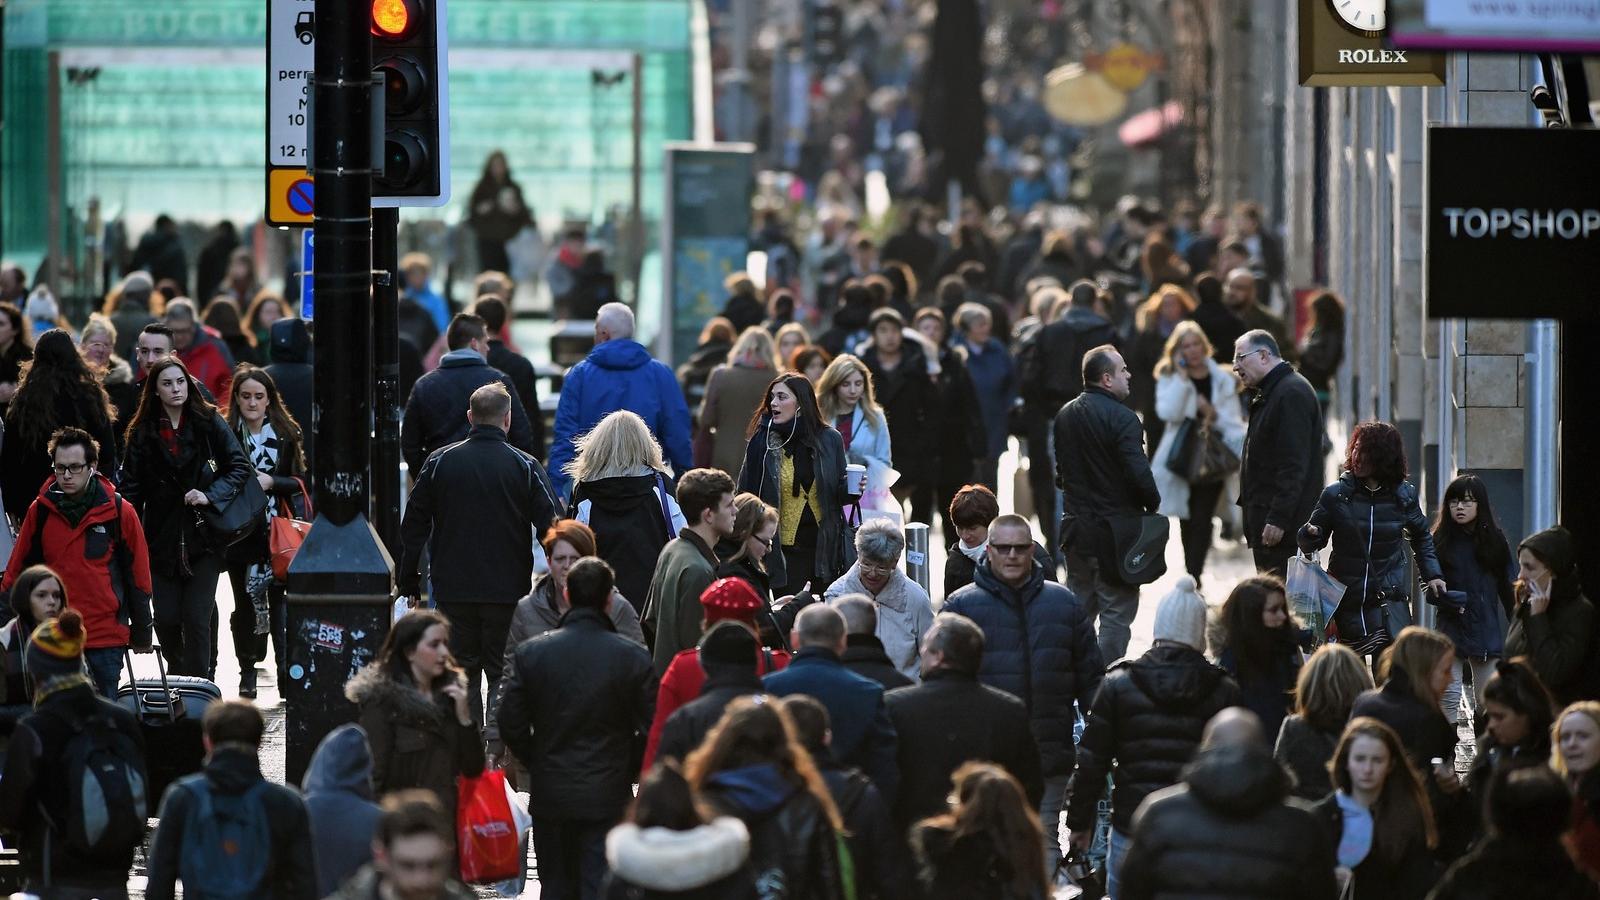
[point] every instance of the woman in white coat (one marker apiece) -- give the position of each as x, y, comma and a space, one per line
1191, 385
849, 403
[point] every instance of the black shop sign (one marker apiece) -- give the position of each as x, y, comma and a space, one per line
1513, 225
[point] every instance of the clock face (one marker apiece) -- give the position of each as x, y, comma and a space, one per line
1363, 15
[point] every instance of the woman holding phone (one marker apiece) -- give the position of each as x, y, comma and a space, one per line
1553, 619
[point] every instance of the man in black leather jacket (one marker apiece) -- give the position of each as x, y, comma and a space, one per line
1103, 472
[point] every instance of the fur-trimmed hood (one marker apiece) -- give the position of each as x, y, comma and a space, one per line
374, 686
118, 371
661, 859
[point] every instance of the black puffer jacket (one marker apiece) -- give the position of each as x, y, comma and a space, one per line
154, 482
910, 401
1147, 718
1304, 749
1039, 645
1370, 529
577, 706
958, 567
1102, 470
1228, 831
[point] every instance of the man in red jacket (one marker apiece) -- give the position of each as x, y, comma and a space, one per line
206, 356
82, 529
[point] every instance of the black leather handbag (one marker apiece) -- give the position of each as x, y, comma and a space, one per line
236, 518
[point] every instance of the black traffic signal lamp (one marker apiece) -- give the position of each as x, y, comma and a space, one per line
408, 50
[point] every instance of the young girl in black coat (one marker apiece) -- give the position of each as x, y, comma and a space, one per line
1478, 564
1258, 640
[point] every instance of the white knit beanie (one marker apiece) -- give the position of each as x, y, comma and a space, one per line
1181, 615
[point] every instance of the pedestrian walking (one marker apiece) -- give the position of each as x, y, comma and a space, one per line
1258, 641
988, 844
272, 441
958, 420
732, 390
1414, 672
622, 488
412, 853
263, 310
1146, 724
1322, 350
432, 418
56, 389
752, 767
1553, 622
743, 308
1155, 322
207, 357
340, 806
128, 306
1518, 719
864, 653
666, 847
791, 337
951, 718
811, 361
1221, 326
688, 677
743, 553
1523, 852
972, 509
222, 315
16, 348
181, 455
478, 505
414, 708
36, 597
728, 657
795, 462
1369, 551
1326, 689
903, 384
1379, 814
619, 373
1229, 829
292, 372
49, 750
1280, 471
227, 831
1577, 759
1240, 295
492, 309
97, 344
1040, 647
1104, 476
847, 400
863, 736
994, 378
672, 612
902, 608
577, 701
1191, 386
877, 851
94, 543
1476, 560
711, 350
498, 212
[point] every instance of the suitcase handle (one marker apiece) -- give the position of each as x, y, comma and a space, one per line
173, 706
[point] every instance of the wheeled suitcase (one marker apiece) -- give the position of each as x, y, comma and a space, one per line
169, 710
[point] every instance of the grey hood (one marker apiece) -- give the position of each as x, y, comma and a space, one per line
342, 764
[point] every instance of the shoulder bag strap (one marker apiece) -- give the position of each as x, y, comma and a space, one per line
666, 512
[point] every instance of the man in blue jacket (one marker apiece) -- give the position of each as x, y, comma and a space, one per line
863, 735
1039, 646
619, 374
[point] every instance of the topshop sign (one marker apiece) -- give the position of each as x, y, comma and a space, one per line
1513, 223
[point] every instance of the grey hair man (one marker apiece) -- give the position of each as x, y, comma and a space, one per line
864, 653
1280, 474
902, 607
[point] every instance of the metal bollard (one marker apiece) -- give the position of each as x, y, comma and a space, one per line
917, 554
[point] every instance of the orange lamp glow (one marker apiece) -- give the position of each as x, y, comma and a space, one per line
391, 18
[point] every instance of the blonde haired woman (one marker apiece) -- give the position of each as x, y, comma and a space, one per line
97, 342
622, 490
791, 337
1576, 737
1191, 385
734, 389
849, 403
1327, 688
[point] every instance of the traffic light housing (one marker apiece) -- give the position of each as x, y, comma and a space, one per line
409, 51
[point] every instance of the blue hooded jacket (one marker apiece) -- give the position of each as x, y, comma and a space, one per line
620, 374
338, 793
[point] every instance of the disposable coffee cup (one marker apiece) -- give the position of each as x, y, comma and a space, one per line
856, 477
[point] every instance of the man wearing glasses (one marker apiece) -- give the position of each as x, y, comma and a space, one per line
80, 528
1280, 474
208, 359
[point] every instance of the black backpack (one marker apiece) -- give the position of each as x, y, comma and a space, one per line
106, 799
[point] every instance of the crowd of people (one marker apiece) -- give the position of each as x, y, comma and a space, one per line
682, 621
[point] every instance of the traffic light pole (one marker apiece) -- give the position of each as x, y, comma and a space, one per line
340, 581
386, 485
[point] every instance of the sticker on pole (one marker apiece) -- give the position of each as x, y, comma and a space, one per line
291, 197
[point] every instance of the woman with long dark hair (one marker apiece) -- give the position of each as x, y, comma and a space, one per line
415, 710
1379, 815
56, 389
38, 595
753, 767
223, 315
181, 454
273, 443
1370, 514
1476, 560
989, 844
1258, 640
16, 348
1518, 716
795, 464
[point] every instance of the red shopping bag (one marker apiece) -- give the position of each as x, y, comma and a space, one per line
486, 830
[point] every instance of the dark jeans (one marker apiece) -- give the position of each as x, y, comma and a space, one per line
478, 642
1195, 531
184, 608
248, 647
1042, 482
105, 669
572, 858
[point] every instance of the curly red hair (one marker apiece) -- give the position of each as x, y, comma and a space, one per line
1378, 447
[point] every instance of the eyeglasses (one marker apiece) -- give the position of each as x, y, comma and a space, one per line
1464, 501
70, 468
867, 568
1241, 357
1012, 549
765, 542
